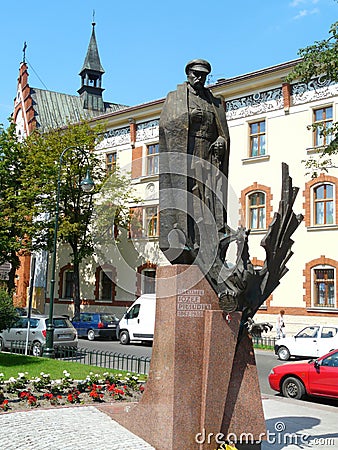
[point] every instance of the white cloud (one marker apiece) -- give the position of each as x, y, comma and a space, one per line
306, 12
296, 3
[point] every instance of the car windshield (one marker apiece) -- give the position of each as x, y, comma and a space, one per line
308, 332
109, 318
60, 322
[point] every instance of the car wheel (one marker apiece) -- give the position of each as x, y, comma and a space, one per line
293, 388
91, 335
2, 347
283, 353
124, 337
36, 348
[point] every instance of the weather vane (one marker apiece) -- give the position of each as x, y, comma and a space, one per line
93, 23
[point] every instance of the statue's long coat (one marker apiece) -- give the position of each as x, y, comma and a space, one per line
174, 131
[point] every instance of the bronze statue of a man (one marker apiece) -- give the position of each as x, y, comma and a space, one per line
194, 159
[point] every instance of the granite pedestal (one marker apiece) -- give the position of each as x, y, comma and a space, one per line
203, 383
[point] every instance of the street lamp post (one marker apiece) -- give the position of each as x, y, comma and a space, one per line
87, 185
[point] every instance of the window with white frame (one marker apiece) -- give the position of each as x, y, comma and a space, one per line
257, 210
257, 138
324, 286
323, 204
151, 221
152, 159
322, 117
111, 162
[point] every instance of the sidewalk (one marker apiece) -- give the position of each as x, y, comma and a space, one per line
290, 425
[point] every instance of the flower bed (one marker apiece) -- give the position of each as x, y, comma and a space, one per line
22, 393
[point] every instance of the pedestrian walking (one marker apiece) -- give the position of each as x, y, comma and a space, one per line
280, 324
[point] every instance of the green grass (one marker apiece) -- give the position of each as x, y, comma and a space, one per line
11, 365
264, 347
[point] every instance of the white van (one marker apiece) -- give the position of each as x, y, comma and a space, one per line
138, 323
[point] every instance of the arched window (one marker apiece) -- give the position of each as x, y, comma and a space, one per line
256, 210
323, 204
323, 286
320, 283
256, 207
66, 282
146, 279
105, 283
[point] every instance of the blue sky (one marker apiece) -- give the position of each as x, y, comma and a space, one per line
144, 45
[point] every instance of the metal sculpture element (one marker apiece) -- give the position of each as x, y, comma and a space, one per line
245, 288
194, 155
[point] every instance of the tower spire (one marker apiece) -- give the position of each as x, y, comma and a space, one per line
24, 52
91, 76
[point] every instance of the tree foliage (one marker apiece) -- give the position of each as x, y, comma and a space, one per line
15, 212
320, 59
76, 208
8, 314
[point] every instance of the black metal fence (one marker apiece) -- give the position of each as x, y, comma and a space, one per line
114, 360
264, 341
109, 360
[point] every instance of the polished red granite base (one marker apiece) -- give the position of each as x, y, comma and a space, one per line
201, 385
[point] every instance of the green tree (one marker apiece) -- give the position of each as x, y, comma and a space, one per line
320, 59
76, 208
15, 213
8, 314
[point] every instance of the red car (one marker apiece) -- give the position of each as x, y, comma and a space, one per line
315, 377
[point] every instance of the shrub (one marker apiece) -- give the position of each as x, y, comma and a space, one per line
8, 314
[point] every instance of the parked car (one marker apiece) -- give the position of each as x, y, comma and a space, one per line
23, 311
315, 377
96, 325
65, 334
311, 341
138, 322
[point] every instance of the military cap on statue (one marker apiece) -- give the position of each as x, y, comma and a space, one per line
201, 65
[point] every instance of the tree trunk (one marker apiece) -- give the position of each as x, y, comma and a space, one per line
77, 299
15, 264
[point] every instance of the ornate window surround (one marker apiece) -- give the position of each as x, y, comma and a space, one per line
67, 268
309, 201
322, 261
140, 269
255, 187
109, 268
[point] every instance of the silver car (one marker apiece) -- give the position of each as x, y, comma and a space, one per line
65, 334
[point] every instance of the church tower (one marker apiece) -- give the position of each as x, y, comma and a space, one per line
91, 78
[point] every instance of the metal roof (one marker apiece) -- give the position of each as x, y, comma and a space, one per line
92, 60
55, 110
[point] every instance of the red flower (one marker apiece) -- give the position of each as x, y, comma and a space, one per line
4, 405
48, 395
